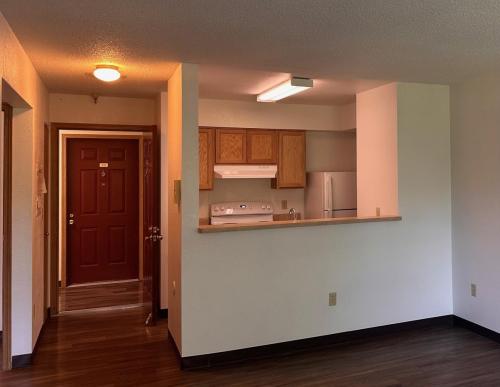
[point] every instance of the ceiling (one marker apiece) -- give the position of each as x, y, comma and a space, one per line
243, 45
223, 82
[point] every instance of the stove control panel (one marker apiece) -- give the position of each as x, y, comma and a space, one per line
241, 208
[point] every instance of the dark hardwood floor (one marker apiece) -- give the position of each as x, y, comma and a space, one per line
113, 348
101, 295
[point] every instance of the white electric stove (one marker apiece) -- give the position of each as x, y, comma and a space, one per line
241, 212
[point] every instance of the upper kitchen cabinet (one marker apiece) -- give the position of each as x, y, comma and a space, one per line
231, 146
262, 147
291, 159
206, 157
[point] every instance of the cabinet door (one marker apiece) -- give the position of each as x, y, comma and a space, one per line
231, 146
262, 147
291, 160
206, 158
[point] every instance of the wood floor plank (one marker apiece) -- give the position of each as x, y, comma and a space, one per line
114, 348
101, 295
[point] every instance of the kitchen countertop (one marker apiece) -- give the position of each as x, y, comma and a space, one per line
208, 228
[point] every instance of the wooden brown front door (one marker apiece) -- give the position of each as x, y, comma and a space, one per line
103, 204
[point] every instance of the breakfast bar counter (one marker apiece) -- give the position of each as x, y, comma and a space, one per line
204, 227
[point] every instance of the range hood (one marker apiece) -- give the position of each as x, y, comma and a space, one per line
245, 171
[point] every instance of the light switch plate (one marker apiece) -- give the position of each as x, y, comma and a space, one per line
284, 204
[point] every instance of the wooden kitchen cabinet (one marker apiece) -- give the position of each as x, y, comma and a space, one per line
262, 147
206, 158
291, 160
230, 146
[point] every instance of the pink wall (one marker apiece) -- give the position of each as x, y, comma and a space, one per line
377, 154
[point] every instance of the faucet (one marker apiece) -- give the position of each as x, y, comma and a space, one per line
293, 213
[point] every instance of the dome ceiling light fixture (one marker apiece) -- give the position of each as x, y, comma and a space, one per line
107, 73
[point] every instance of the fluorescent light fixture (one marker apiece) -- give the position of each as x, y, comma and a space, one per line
107, 73
285, 89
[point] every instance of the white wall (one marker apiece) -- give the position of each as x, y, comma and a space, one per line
71, 108
250, 288
22, 269
244, 114
28, 278
476, 205
377, 153
182, 138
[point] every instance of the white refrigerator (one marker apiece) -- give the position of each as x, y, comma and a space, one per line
330, 195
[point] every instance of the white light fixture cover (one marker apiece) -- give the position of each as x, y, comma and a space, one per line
107, 73
285, 89
245, 171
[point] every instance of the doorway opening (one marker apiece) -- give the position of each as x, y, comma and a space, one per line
107, 218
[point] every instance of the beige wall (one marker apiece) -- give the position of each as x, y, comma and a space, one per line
71, 108
249, 288
27, 275
347, 116
330, 151
377, 153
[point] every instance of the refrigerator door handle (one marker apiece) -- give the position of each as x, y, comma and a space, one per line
332, 204
327, 189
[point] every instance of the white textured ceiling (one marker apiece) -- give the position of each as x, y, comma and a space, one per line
224, 82
439, 41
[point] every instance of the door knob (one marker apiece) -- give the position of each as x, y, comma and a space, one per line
154, 237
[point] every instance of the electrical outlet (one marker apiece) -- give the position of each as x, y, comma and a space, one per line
473, 290
332, 299
284, 204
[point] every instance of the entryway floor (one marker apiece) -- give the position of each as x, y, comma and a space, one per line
102, 295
